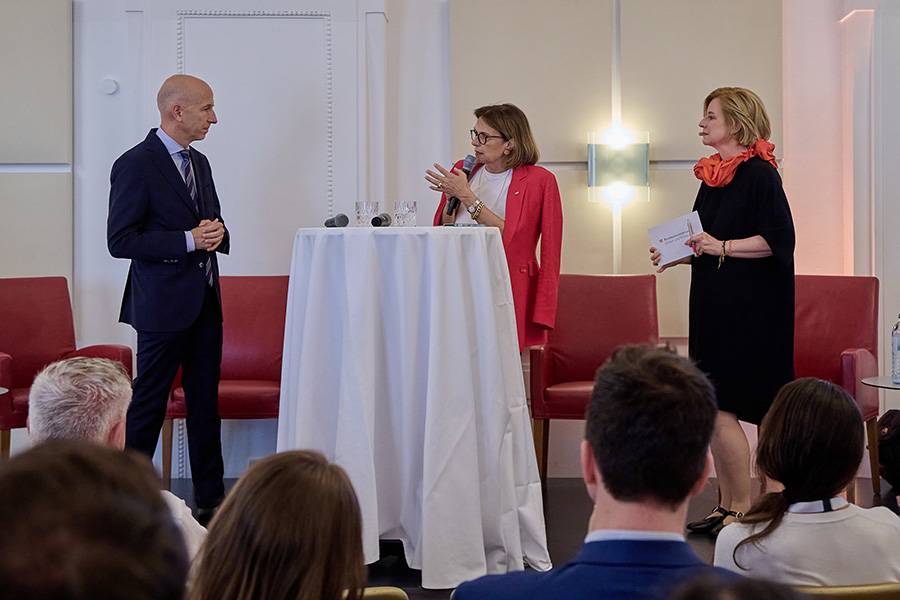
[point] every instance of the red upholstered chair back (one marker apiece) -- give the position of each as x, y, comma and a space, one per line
594, 315
254, 312
836, 339
833, 313
36, 325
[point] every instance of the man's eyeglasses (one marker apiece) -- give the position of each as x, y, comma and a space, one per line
482, 137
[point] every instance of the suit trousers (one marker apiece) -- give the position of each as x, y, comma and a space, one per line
198, 351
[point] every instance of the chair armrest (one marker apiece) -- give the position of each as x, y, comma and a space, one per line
115, 352
856, 365
5, 370
6, 406
541, 378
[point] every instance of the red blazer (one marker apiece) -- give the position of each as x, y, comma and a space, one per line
533, 212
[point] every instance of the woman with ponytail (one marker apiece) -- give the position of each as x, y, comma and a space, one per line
811, 442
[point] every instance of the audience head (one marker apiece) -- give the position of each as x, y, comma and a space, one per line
811, 441
512, 124
289, 529
80, 398
712, 586
82, 521
649, 424
742, 107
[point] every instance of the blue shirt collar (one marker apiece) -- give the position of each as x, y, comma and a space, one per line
171, 145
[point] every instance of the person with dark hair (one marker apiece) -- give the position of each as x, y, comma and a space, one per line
807, 534
507, 190
889, 447
712, 587
81, 521
645, 454
84, 398
742, 285
290, 529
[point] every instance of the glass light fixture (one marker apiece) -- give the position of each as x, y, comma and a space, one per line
619, 166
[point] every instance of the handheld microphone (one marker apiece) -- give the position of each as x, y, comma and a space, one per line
338, 220
468, 165
382, 220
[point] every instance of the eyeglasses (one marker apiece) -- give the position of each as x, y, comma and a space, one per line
482, 137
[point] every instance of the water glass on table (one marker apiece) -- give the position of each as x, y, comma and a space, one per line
365, 210
405, 213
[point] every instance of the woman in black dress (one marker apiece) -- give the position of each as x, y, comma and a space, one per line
742, 285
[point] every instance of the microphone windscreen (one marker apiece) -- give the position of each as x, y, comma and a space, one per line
338, 220
469, 164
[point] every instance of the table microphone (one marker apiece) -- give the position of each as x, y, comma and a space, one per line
382, 220
468, 165
338, 220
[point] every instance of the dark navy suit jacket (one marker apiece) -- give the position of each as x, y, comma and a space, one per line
149, 211
613, 570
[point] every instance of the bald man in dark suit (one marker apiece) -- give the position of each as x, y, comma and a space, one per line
164, 216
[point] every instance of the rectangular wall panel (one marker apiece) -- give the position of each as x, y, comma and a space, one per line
35, 224
551, 59
36, 81
675, 53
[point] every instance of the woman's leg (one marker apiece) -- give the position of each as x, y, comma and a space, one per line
731, 455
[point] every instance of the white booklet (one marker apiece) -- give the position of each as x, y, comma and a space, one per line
669, 238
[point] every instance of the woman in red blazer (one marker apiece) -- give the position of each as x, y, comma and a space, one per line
519, 198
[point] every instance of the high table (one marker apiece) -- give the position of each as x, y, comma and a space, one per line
401, 365
885, 382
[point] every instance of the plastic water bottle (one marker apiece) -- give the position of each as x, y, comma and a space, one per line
895, 352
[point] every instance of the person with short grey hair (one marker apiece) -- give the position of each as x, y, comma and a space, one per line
80, 398
87, 399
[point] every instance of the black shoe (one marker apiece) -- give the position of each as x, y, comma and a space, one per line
706, 525
205, 515
714, 532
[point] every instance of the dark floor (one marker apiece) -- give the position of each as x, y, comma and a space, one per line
567, 509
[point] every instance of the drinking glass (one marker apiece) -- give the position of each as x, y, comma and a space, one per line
365, 210
405, 213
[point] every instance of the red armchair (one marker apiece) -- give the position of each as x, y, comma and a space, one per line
36, 329
594, 315
250, 386
836, 339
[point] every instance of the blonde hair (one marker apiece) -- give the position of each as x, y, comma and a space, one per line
744, 108
289, 530
512, 124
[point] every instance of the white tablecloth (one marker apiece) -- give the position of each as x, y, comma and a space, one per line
401, 365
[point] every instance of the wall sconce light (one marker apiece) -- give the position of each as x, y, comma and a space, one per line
619, 166
618, 173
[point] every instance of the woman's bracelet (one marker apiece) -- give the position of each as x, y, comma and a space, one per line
722, 256
478, 206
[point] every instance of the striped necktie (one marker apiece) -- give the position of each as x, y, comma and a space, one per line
192, 190
189, 176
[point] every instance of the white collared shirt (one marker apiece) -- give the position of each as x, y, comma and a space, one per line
606, 535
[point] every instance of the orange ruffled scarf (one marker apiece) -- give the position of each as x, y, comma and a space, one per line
716, 172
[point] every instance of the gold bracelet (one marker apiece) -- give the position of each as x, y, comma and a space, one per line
478, 206
722, 256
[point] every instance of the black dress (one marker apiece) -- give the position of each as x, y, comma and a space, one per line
742, 314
